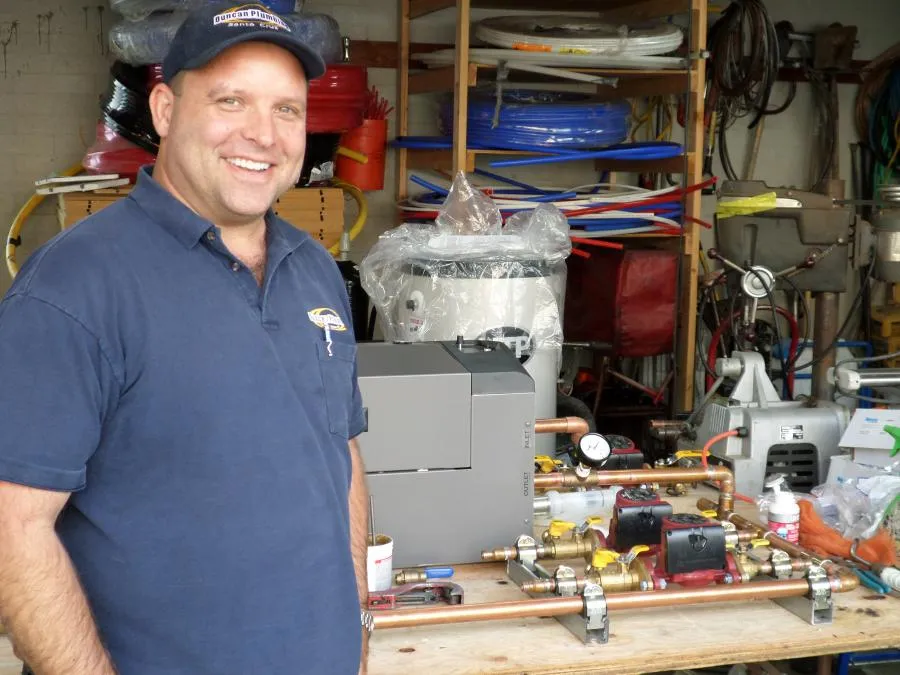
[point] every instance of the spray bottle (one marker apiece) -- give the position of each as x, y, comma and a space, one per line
784, 512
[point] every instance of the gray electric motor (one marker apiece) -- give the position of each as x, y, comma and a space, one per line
784, 437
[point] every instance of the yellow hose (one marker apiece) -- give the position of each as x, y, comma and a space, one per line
12, 240
360, 222
353, 154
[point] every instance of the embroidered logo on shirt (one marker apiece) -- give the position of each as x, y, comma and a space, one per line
250, 15
325, 317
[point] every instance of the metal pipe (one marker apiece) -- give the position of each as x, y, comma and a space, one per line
756, 590
576, 427
516, 609
427, 616
825, 328
720, 474
878, 377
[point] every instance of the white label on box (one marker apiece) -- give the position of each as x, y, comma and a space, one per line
792, 433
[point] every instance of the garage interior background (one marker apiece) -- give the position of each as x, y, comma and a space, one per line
54, 65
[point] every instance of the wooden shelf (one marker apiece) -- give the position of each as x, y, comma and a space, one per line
460, 78
611, 9
632, 83
442, 160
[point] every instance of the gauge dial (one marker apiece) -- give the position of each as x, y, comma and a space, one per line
594, 449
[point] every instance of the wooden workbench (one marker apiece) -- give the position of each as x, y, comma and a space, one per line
640, 641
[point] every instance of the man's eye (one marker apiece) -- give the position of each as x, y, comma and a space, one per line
229, 101
288, 110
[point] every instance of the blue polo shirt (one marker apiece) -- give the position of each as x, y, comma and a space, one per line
201, 423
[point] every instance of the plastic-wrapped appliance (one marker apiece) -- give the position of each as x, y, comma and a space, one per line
469, 275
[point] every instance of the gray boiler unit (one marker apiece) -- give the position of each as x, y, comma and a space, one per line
449, 450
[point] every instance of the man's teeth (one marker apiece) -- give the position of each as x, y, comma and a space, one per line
249, 164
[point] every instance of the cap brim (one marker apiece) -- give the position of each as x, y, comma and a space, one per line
312, 63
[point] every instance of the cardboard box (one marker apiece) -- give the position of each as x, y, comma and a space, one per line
866, 437
319, 211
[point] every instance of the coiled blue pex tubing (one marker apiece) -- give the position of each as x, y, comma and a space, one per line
561, 126
555, 121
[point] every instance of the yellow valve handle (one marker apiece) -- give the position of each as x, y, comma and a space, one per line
602, 558
710, 513
759, 542
593, 520
635, 551
684, 454
558, 528
547, 464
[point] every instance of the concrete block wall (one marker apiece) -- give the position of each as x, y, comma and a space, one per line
53, 68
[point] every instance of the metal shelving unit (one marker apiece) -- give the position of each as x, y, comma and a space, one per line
632, 83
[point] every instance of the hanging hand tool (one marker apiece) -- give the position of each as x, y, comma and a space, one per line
427, 593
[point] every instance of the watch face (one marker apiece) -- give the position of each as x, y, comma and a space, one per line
594, 448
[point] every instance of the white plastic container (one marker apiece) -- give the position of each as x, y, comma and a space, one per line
380, 563
783, 511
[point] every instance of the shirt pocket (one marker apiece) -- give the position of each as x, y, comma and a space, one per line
337, 381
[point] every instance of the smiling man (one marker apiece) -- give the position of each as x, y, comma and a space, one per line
182, 494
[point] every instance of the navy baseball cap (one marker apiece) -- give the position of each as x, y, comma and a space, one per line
210, 30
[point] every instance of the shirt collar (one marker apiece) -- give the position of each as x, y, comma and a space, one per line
187, 227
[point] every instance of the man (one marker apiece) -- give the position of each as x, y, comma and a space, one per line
180, 493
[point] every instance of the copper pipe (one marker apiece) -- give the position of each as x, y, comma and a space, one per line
797, 565
756, 590
427, 616
576, 427
720, 474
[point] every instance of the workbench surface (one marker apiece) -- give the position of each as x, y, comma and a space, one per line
640, 641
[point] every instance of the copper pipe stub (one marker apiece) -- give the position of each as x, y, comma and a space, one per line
576, 427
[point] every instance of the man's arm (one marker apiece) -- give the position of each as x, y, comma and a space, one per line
359, 535
41, 600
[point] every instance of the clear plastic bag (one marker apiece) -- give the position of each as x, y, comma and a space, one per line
147, 41
856, 507
137, 10
139, 43
468, 275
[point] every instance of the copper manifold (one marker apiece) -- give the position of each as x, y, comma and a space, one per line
842, 579
720, 474
761, 590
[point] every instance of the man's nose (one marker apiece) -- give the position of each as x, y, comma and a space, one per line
260, 128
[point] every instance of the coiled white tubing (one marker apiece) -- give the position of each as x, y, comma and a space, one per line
564, 34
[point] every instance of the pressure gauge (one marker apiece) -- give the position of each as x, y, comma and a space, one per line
593, 450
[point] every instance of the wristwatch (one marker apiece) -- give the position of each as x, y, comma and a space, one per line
367, 621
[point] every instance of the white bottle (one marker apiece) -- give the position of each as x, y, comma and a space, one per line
784, 511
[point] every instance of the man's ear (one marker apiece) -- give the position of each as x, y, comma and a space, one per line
162, 103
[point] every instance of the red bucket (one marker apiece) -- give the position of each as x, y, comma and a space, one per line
370, 139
